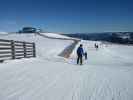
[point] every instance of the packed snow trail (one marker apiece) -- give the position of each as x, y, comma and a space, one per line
36, 79
106, 75
69, 49
112, 55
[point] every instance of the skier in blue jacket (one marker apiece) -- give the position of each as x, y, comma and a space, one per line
80, 53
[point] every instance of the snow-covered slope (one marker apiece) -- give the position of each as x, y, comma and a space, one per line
108, 54
45, 47
54, 35
106, 75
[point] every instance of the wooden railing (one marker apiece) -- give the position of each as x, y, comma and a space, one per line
10, 49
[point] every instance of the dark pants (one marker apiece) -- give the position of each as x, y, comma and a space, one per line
79, 59
85, 57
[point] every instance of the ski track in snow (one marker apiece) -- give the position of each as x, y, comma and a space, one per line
106, 75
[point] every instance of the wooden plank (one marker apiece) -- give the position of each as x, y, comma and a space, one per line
18, 44
5, 48
29, 48
29, 45
23, 41
3, 40
4, 44
19, 55
18, 48
30, 51
5, 52
29, 56
19, 51
3, 56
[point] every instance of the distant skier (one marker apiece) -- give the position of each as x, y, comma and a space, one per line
96, 46
80, 54
85, 54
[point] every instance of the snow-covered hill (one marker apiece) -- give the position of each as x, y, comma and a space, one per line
53, 35
45, 47
106, 75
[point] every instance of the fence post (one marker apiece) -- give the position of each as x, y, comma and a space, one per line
34, 50
24, 46
13, 49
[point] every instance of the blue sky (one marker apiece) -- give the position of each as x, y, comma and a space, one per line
68, 16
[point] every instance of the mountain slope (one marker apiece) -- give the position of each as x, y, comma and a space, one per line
106, 75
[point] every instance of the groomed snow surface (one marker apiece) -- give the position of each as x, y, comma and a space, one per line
106, 75
54, 35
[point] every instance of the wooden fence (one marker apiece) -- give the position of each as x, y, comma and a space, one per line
10, 49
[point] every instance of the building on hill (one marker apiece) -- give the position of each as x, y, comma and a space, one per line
28, 30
